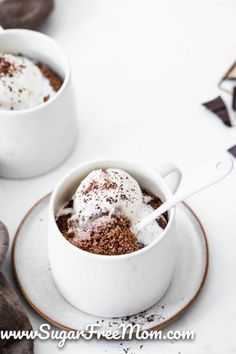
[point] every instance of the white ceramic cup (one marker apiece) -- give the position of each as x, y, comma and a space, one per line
113, 286
35, 140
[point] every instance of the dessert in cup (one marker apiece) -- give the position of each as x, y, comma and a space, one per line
37, 107
98, 264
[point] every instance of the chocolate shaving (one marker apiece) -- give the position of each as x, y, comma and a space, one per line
232, 150
218, 107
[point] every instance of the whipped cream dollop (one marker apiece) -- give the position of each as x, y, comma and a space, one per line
22, 83
105, 192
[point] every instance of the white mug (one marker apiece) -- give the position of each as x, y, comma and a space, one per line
35, 140
113, 286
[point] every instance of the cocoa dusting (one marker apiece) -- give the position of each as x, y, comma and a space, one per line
52, 77
7, 68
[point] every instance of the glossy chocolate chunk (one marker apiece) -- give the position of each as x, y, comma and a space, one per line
218, 107
24, 13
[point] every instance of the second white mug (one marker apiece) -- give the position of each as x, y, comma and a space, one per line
35, 140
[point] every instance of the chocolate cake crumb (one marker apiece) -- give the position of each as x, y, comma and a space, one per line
62, 223
46, 98
112, 238
54, 80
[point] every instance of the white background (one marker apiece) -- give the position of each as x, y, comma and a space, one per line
141, 70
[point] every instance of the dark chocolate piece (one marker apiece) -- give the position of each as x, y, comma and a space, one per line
12, 315
234, 99
218, 107
24, 13
232, 150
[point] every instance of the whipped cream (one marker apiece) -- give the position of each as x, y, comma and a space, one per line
22, 83
107, 192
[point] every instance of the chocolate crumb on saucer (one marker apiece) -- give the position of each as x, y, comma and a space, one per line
218, 107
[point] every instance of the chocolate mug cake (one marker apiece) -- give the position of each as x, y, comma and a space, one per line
99, 216
93, 245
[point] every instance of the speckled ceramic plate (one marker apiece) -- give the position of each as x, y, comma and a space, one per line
32, 271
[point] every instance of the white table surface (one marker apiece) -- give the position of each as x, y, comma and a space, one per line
141, 70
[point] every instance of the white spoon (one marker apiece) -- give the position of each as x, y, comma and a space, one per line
211, 173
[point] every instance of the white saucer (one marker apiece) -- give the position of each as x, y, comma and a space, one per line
32, 271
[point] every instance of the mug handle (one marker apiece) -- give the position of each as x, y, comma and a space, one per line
166, 169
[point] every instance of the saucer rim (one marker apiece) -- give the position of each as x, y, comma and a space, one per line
63, 327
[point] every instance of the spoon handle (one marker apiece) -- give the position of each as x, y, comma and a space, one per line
212, 172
